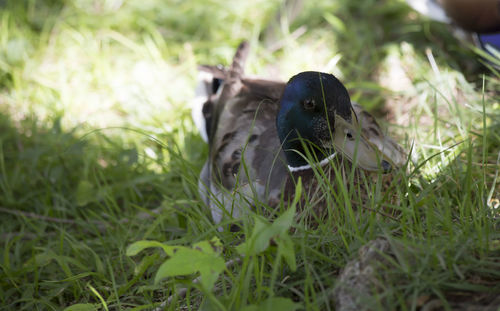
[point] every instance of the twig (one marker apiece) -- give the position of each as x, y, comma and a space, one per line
182, 292
25, 235
381, 213
101, 224
36, 216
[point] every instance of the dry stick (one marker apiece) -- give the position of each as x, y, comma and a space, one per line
36, 216
141, 215
182, 292
25, 235
381, 213
102, 226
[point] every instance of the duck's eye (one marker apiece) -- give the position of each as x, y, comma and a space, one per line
309, 104
349, 135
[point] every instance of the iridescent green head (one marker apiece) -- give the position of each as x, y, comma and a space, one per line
315, 107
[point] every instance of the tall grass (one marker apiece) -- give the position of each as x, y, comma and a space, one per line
97, 151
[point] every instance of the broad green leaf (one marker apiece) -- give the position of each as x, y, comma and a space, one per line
263, 232
81, 307
285, 248
204, 258
212, 246
138, 246
181, 263
210, 270
145, 263
284, 222
258, 240
274, 304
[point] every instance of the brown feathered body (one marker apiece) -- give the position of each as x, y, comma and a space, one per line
247, 167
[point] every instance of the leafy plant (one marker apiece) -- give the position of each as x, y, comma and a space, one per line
203, 258
98, 150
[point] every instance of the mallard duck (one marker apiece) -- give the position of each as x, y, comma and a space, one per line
259, 132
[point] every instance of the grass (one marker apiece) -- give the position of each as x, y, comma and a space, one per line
98, 151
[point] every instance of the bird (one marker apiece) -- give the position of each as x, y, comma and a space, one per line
263, 134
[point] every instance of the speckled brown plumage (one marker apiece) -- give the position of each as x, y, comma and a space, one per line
247, 165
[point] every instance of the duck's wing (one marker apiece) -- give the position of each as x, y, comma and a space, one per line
245, 159
246, 130
210, 79
247, 163
210, 87
231, 86
372, 131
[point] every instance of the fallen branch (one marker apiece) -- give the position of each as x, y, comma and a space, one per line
381, 213
36, 216
102, 225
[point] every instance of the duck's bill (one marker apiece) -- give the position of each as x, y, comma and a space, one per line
349, 140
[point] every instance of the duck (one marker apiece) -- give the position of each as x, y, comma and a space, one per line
264, 134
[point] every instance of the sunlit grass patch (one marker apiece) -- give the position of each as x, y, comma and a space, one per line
77, 76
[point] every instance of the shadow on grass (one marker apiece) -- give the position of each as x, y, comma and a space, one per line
70, 205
